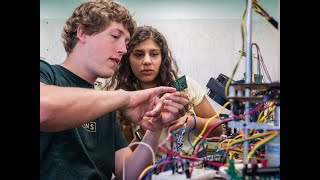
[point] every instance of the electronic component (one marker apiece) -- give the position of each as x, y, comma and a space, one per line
217, 88
249, 170
179, 141
181, 83
237, 92
137, 133
197, 174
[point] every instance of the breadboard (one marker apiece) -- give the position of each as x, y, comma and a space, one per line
197, 174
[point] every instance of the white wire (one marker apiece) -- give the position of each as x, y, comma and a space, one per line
134, 143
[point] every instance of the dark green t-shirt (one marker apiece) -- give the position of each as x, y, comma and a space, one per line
85, 152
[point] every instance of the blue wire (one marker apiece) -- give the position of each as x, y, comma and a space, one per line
194, 127
160, 160
149, 174
164, 158
195, 133
195, 122
177, 138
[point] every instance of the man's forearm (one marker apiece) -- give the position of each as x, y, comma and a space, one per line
62, 108
136, 164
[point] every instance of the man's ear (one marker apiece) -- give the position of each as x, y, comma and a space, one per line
81, 35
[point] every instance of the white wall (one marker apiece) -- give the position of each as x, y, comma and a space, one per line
202, 48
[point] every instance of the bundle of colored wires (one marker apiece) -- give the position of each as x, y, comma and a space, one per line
258, 8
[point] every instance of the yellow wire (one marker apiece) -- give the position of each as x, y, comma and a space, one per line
267, 139
230, 155
144, 171
249, 138
263, 118
255, 8
239, 136
205, 126
241, 53
271, 109
268, 113
225, 141
260, 115
258, 120
229, 142
235, 151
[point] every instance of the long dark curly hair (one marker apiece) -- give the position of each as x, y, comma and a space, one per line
124, 78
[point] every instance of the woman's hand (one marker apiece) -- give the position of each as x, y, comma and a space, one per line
175, 106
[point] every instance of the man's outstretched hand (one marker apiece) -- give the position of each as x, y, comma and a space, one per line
147, 110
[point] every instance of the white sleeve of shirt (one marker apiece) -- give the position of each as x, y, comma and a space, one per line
195, 92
